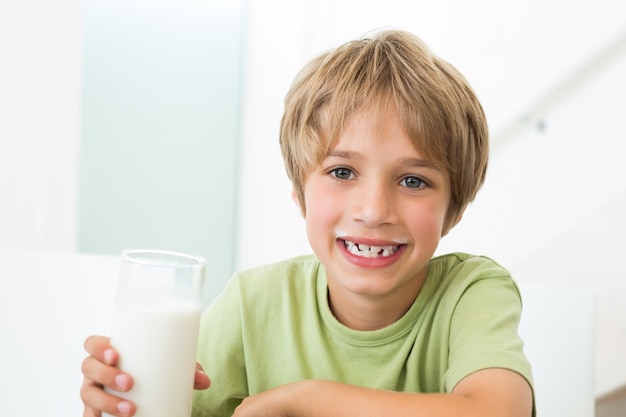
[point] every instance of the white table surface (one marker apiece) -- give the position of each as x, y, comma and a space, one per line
49, 303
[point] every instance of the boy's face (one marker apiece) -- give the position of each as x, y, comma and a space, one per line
375, 210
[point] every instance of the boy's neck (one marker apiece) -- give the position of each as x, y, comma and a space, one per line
368, 313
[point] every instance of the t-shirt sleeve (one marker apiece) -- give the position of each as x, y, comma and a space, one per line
483, 331
220, 352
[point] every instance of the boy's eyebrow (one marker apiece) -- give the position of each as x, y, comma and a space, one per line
342, 154
408, 161
418, 162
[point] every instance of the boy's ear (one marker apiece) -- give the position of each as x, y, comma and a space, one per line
458, 218
454, 222
294, 197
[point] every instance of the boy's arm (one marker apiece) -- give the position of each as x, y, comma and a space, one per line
490, 392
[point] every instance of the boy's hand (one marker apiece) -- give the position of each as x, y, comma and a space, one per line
276, 402
485, 393
201, 380
99, 371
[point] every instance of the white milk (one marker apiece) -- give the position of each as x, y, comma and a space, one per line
157, 343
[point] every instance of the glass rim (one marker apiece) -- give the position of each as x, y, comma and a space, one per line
164, 258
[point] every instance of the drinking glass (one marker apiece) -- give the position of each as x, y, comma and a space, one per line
155, 329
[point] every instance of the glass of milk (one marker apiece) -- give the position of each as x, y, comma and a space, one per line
155, 329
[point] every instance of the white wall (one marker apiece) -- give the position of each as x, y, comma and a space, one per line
40, 79
159, 137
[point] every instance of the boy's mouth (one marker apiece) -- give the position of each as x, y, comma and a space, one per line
370, 251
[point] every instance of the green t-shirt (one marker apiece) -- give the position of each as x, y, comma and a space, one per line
272, 325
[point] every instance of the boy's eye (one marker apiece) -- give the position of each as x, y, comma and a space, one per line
341, 173
412, 182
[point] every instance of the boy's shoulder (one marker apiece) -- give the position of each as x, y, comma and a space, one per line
293, 278
457, 258
303, 265
460, 264
456, 276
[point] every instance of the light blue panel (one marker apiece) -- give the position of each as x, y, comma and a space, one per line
158, 157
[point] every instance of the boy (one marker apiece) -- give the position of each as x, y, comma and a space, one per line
385, 145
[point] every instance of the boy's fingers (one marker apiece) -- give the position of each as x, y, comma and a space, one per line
88, 412
95, 399
100, 347
201, 380
104, 375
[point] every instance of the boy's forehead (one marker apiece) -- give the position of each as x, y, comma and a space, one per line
378, 112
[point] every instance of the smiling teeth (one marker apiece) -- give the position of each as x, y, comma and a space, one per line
370, 251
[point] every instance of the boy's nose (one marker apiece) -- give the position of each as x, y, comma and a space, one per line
373, 205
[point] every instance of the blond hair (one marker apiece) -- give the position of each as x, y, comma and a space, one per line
438, 109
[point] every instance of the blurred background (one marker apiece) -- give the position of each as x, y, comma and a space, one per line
143, 123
